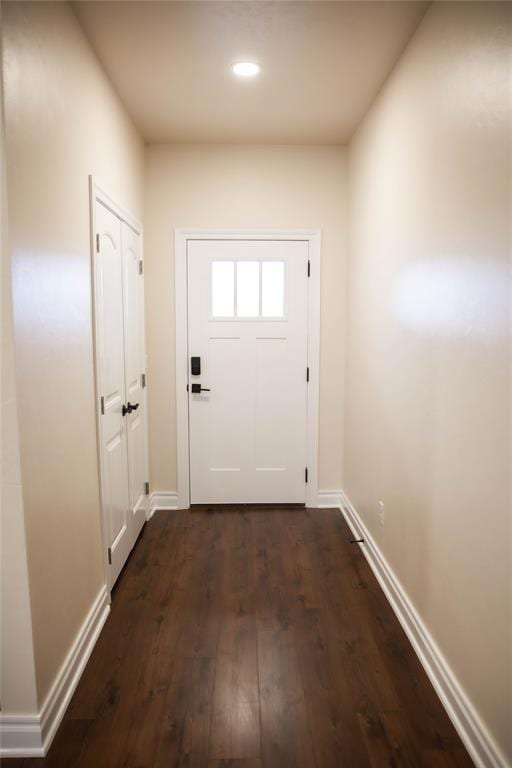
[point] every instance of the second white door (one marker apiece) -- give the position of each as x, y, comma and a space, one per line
247, 340
119, 292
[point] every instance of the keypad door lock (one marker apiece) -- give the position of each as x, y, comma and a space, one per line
195, 366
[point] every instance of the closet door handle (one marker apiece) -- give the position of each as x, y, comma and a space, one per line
128, 408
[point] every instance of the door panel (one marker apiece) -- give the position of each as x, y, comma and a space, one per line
247, 305
228, 427
270, 378
111, 375
134, 366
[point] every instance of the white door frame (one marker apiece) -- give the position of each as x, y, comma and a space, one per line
181, 236
96, 192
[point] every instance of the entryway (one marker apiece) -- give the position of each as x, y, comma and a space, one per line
247, 339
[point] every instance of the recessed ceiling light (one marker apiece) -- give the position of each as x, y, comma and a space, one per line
246, 69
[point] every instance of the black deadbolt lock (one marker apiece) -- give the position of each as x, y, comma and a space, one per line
195, 366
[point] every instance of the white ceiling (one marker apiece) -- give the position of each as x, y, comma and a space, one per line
322, 65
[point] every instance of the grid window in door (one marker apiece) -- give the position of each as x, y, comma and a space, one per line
248, 289
223, 288
272, 288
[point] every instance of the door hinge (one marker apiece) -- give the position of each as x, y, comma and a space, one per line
309, 268
306, 474
141, 267
307, 373
143, 380
146, 488
102, 405
109, 552
97, 242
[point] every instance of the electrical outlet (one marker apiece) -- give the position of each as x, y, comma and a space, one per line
381, 512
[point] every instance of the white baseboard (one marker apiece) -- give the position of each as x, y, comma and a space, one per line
162, 500
20, 736
169, 500
32, 735
329, 498
64, 686
474, 734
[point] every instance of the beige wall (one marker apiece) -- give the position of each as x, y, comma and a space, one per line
63, 122
428, 396
242, 186
17, 674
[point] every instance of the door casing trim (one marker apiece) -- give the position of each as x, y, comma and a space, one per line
181, 237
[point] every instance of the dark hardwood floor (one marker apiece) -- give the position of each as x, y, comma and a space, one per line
252, 638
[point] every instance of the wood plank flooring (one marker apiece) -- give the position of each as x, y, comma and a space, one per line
252, 638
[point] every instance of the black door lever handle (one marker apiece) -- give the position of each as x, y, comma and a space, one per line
197, 389
128, 408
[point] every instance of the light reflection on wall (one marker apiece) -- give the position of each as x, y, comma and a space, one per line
52, 293
454, 298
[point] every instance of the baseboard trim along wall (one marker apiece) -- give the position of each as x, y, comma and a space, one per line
474, 734
169, 500
162, 500
32, 735
20, 736
329, 499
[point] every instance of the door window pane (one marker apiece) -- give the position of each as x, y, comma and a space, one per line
248, 289
272, 284
223, 288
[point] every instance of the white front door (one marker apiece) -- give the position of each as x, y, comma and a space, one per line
111, 376
247, 325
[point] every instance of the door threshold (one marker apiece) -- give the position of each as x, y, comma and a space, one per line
234, 507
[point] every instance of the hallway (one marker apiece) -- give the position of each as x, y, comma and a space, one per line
256, 297
247, 638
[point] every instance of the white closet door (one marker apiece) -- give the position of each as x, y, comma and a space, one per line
133, 289
111, 379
